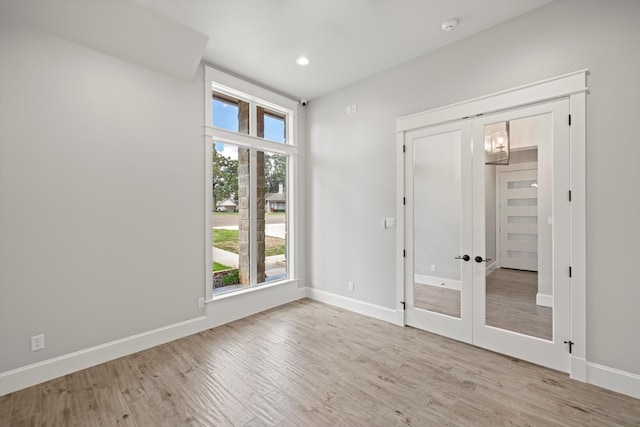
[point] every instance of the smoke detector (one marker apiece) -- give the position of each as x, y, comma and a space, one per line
449, 25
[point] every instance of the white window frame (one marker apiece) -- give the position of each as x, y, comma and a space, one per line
216, 80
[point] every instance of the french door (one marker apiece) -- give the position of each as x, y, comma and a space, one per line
463, 233
438, 214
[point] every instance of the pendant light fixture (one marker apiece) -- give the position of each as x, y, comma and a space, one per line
498, 147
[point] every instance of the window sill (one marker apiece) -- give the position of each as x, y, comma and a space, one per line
248, 290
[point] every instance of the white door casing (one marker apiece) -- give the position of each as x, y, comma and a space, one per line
573, 86
470, 325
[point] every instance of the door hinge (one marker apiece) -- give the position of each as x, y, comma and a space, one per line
569, 119
404, 305
571, 344
404, 148
404, 253
404, 200
569, 195
570, 271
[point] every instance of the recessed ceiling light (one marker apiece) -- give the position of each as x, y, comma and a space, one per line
302, 60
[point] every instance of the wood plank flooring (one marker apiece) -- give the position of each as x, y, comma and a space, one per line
309, 364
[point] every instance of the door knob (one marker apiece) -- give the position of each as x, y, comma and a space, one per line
479, 259
464, 257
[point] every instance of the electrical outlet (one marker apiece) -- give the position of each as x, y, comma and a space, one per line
350, 286
201, 302
354, 108
37, 342
433, 267
389, 223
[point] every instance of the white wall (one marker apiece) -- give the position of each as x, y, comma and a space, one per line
101, 212
351, 158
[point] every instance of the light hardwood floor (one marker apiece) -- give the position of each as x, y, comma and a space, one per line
309, 364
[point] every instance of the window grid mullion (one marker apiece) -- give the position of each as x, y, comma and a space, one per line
253, 119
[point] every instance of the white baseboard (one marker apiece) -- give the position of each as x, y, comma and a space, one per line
578, 370
438, 282
46, 370
234, 308
229, 309
614, 379
218, 313
491, 267
544, 300
365, 308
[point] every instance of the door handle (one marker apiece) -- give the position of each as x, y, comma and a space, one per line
479, 259
464, 257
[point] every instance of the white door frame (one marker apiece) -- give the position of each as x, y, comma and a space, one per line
574, 87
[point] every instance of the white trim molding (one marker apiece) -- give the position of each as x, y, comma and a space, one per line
545, 90
400, 301
218, 313
544, 300
360, 307
239, 87
578, 369
614, 379
571, 86
438, 282
493, 265
46, 370
578, 256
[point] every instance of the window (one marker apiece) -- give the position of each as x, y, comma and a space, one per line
252, 154
271, 125
230, 113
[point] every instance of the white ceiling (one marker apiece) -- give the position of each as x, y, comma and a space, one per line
346, 40
121, 29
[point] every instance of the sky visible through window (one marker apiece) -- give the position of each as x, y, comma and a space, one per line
225, 116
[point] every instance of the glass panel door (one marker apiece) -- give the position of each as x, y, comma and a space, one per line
439, 218
521, 225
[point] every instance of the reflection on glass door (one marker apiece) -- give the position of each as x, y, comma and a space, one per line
487, 233
439, 210
518, 226
521, 233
